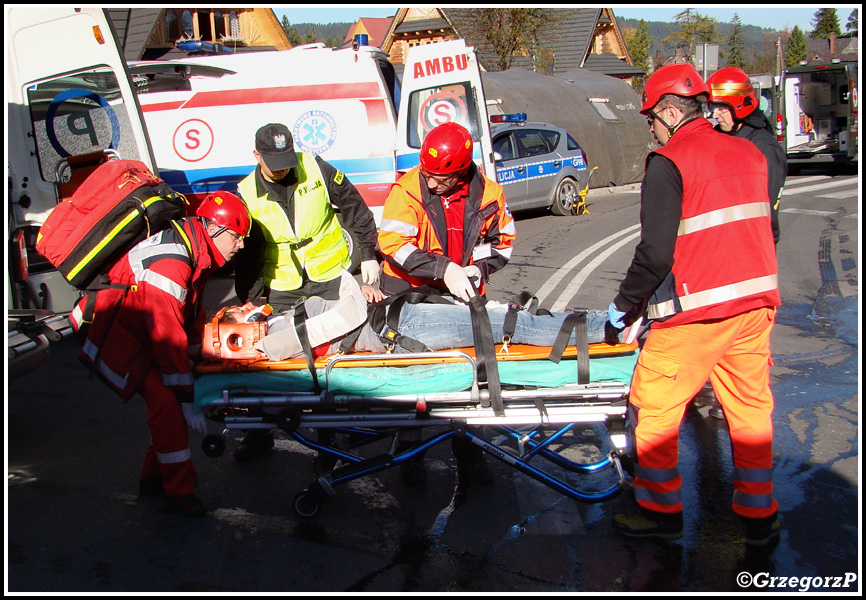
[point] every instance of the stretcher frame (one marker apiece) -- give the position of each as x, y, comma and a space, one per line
524, 416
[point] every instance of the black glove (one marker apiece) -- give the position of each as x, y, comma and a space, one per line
611, 334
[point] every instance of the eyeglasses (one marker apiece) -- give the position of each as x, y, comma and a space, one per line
235, 236
441, 179
651, 118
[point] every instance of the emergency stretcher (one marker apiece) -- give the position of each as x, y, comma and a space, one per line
521, 409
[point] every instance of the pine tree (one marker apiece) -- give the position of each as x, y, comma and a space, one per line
796, 50
736, 56
825, 22
291, 33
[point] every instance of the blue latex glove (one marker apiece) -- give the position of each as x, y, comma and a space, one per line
615, 316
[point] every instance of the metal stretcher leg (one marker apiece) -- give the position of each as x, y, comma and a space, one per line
547, 479
307, 503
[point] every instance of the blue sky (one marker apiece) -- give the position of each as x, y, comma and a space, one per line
763, 16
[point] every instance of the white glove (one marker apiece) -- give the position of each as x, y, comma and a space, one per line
457, 282
370, 271
194, 419
473, 273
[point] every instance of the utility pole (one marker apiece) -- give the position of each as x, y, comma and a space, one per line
779, 56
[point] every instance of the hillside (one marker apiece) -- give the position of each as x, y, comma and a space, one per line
323, 31
752, 35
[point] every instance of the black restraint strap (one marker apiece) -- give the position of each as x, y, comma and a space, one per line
300, 322
577, 322
384, 317
485, 354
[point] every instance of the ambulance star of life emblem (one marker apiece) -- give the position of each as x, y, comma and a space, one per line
315, 131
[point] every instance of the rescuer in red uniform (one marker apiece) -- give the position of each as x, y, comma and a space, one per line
138, 340
706, 265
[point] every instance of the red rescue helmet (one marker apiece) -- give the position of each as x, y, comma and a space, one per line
226, 210
731, 86
681, 79
446, 149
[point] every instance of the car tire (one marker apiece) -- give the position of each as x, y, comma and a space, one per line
567, 193
354, 251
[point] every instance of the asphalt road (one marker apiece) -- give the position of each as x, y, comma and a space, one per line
75, 523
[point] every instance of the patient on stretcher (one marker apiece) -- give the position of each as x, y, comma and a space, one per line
435, 326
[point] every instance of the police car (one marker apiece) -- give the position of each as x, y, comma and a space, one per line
539, 165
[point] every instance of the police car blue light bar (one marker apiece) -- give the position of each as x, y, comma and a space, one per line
510, 118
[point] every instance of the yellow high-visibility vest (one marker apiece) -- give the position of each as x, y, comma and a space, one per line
318, 244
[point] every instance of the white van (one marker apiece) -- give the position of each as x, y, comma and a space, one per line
820, 113
343, 104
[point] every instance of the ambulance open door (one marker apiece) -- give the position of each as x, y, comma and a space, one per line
441, 83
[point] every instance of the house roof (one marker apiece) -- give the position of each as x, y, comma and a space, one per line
845, 49
611, 65
376, 28
133, 28
569, 38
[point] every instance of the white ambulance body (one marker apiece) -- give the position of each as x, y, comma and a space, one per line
343, 104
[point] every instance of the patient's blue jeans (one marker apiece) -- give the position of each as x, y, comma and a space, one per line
444, 327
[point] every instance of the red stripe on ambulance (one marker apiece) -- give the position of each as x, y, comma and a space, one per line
278, 94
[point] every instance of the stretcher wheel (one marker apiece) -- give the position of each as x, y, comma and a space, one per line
213, 445
305, 506
324, 463
288, 419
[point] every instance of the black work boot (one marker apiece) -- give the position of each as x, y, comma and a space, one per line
152, 486
761, 532
188, 506
650, 524
471, 461
255, 444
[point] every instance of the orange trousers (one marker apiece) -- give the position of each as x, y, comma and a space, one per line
675, 362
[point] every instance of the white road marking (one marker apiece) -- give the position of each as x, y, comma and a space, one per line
572, 288
560, 274
820, 186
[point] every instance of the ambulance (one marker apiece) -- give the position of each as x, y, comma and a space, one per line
345, 104
820, 121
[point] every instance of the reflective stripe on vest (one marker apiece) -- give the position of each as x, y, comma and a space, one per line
722, 216
326, 253
150, 250
714, 296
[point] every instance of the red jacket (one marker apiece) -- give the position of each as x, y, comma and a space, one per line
724, 258
147, 324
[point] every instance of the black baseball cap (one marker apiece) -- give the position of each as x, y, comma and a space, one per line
274, 142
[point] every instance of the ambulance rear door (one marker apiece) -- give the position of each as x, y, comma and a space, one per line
70, 105
441, 83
